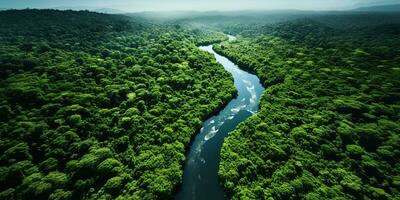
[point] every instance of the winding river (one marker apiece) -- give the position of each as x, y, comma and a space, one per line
200, 178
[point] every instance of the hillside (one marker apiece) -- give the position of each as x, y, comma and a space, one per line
100, 106
381, 8
329, 122
97, 106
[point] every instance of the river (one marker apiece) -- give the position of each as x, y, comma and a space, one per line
200, 177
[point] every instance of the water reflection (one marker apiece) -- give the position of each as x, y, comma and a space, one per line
200, 179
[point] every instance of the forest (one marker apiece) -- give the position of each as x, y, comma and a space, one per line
329, 122
100, 106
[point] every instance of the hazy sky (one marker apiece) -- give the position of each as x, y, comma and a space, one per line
151, 5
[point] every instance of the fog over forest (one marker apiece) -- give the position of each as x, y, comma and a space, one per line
168, 5
199, 99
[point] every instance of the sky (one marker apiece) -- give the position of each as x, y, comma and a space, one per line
200, 5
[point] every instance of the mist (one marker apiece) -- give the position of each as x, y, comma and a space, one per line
198, 5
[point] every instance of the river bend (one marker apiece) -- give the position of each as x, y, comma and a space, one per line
200, 178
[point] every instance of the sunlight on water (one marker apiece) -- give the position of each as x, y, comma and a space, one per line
200, 180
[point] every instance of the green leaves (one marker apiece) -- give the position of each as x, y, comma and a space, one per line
114, 185
16, 153
109, 166
326, 107
352, 184
105, 106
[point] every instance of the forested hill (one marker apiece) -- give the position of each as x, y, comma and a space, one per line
50, 21
382, 8
321, 31
329, 123
97, 106
63, 29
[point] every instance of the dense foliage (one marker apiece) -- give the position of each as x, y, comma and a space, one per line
204, 38
329, 122
96, 106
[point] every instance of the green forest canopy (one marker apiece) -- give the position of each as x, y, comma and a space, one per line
101, 106
329, 122
97, 106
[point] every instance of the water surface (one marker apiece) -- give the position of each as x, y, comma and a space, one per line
200, 178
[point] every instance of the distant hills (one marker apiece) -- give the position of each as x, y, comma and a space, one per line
108, 11
72, 8
380, 8
77, 8
99, 10
363, 8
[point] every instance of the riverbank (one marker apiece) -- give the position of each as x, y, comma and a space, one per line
200, 179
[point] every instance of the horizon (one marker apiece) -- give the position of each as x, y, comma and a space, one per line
134, 6
208, 99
